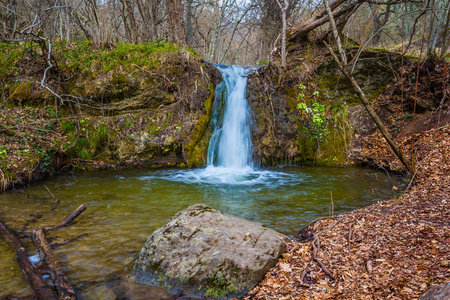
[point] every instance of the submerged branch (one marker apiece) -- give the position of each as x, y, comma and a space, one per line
41, 289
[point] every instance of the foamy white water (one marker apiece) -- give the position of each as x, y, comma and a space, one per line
231, 145
230, 150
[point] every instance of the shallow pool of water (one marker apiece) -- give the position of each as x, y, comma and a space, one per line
124, 207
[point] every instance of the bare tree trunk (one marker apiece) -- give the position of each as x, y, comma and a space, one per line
11, 18
190, 34
444, 39
378, 23
146, 20
335, 32
176, 33
133, 25
283, 33
431, 28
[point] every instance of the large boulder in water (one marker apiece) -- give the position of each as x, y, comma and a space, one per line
208, 253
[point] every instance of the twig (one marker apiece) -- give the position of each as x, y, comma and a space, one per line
349, 236
56, 245
56, 205
49, 191
316, 259
72, 217
369, 266
412, 179
302, 277
332, 204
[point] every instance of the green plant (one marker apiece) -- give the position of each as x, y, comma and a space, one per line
314, 119
263, 62
3, 151
68, 126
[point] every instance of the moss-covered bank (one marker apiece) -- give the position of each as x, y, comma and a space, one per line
151, 104
102, 106
305, 114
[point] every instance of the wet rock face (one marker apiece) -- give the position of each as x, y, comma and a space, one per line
208, 253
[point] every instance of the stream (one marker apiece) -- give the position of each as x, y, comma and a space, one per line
124, 207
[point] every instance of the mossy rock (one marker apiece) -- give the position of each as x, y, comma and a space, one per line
371, 72
197, 147
205, 252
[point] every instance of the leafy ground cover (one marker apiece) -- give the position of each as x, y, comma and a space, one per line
30, 142
394, 249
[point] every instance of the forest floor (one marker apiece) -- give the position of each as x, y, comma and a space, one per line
394, 249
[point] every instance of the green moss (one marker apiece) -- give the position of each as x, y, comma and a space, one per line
120, 79
331, 148
20, 90
68, 126
126, 57
197, 147
372, 75
10, 55
90, 141
220, 289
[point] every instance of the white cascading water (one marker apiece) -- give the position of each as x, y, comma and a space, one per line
231, 145
230, 150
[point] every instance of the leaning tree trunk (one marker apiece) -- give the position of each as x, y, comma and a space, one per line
339, 8
342, 63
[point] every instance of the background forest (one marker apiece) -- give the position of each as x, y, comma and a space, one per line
230, 31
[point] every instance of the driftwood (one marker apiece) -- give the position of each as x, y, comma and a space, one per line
42, 290
38, 284
65, 291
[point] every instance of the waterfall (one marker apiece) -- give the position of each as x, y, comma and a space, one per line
230, 150
231, 145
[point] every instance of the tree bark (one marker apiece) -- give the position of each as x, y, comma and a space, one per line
176, 30
335, 32
43, 292
70, 219
65, 291
298, 34
283, 8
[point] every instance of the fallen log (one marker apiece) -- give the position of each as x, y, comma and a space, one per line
41, 289
65, 290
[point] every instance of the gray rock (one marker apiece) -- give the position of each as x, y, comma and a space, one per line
208, 253
437, 292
